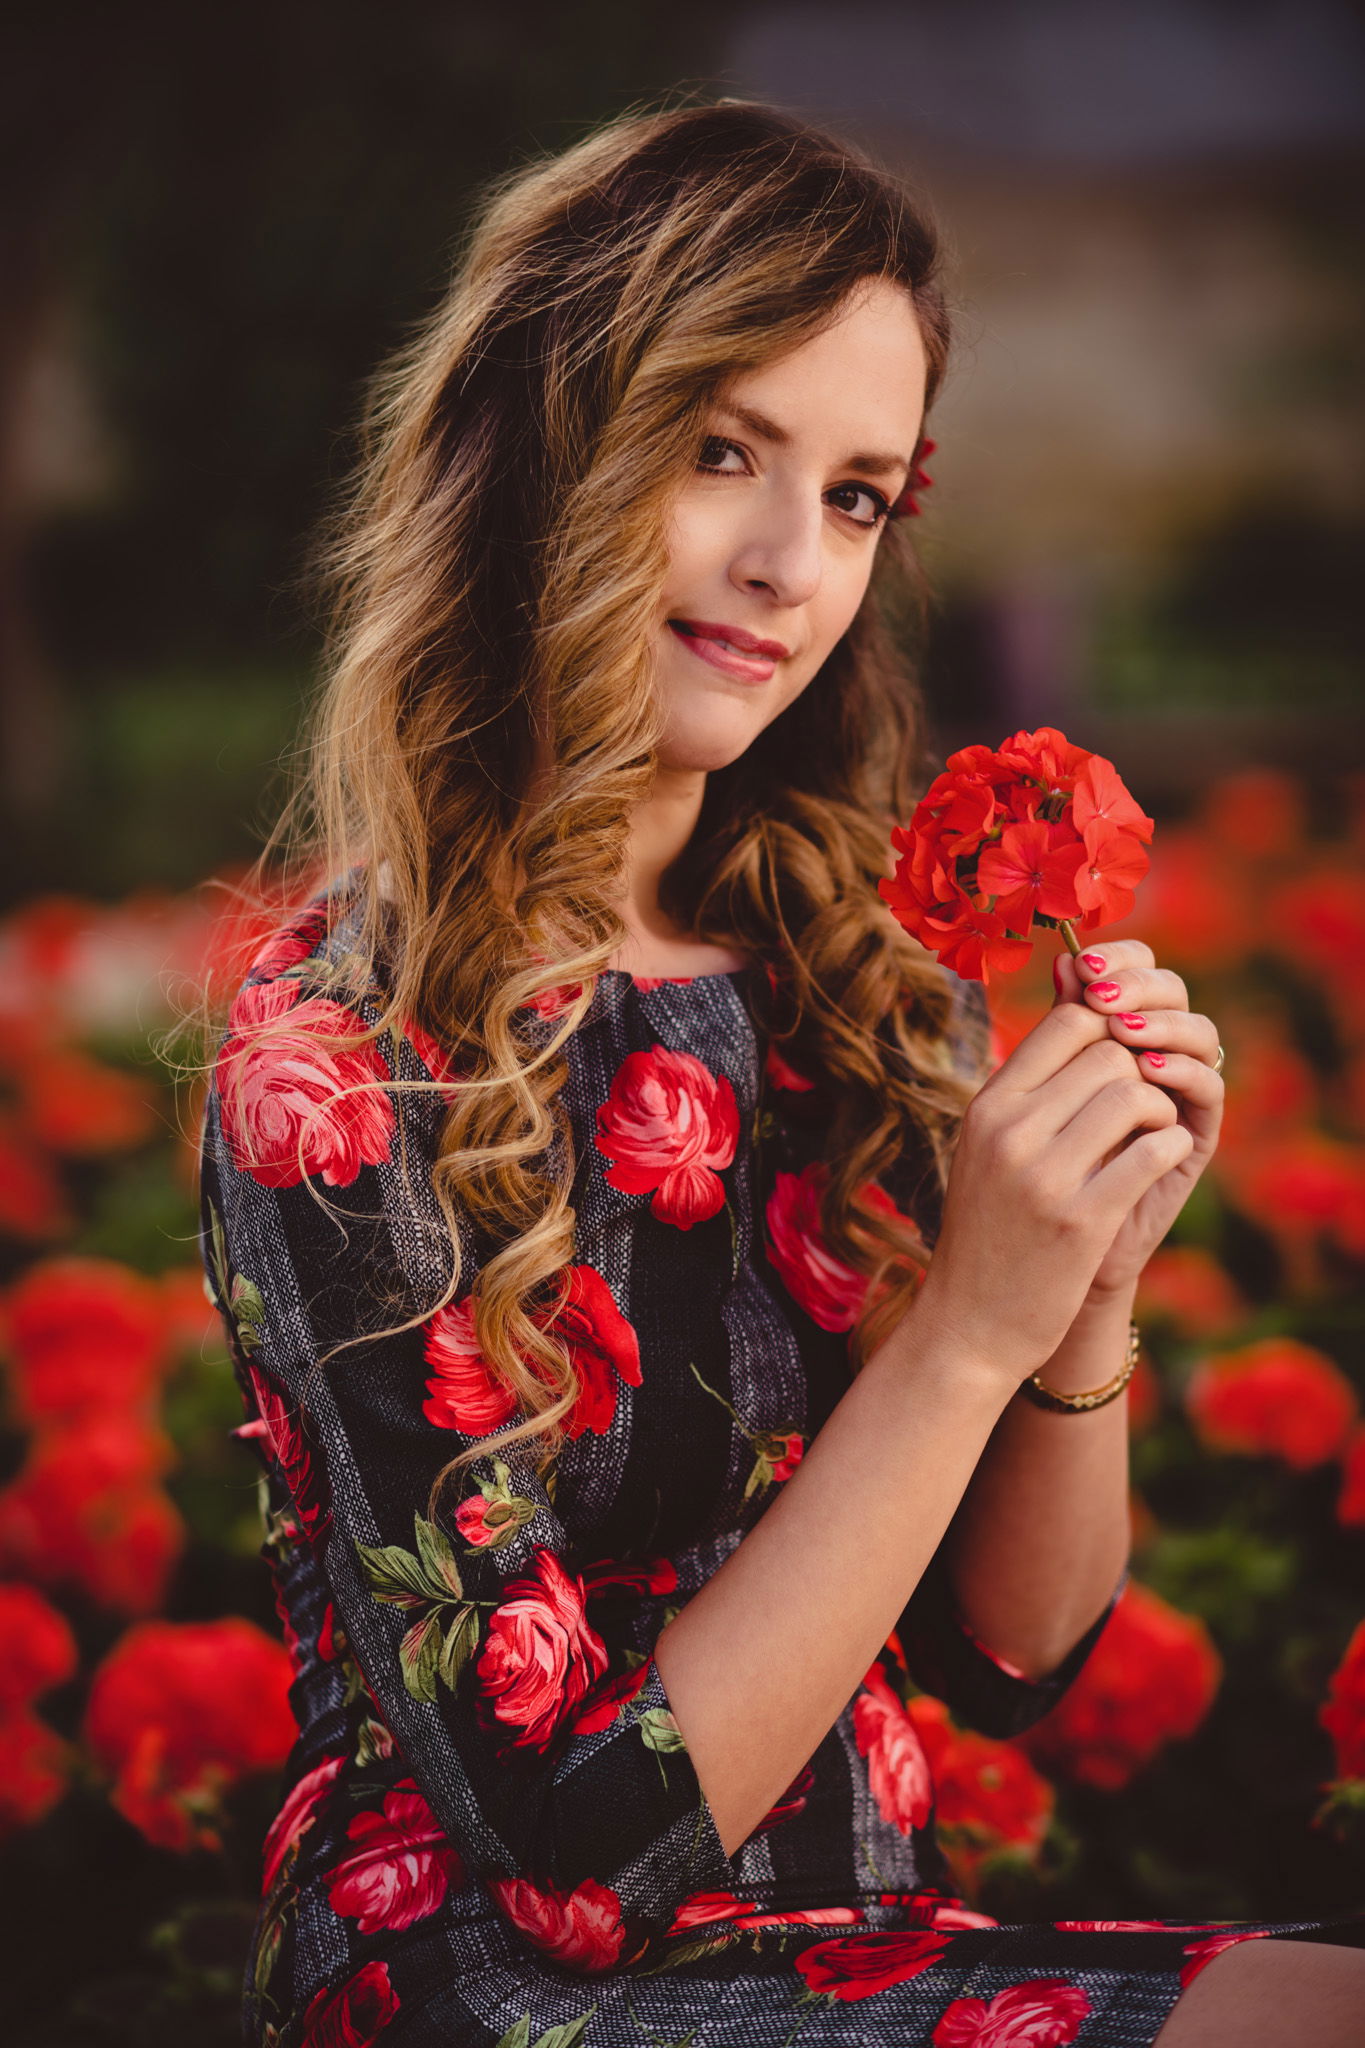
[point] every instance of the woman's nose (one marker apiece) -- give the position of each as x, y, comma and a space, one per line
783, 551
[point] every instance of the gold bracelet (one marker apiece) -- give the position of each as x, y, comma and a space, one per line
1067, 1404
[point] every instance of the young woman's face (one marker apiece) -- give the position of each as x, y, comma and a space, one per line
776, 536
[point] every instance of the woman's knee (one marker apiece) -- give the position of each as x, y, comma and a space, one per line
1263, 1991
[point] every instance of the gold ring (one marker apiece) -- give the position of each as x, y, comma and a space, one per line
1218, 1063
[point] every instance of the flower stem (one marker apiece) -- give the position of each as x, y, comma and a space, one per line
1073, 944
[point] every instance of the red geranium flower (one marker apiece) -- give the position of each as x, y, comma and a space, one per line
540, 1657
668, 1124
581, 1929
37, 1648
989, 1797
1187, 1287
1150, 1679
84, 1335
38, 1765
178, 1712
1343, 1713
1277, 1397
1036, 832
1351, 1499
85, 1511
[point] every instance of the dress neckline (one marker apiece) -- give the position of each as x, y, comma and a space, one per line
676, 981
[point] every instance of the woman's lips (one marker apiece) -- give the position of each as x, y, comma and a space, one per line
750, 668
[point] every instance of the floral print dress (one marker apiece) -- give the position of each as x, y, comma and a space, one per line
493, 1832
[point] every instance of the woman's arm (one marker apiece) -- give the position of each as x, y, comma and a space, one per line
1045, 1520
1054, 1152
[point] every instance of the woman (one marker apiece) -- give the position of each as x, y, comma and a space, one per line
572, 1167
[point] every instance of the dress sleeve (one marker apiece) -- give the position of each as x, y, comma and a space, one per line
980, 1689
536, 1728
942, 1654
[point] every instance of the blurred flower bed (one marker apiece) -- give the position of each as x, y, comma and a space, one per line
1209, 1762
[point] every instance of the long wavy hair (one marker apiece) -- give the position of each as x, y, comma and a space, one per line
486, 720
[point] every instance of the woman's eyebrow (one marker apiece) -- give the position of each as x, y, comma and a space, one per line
768, 430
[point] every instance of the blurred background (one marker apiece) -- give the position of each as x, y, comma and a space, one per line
1145, 526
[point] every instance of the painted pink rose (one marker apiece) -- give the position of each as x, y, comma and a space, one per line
1042, 2012
580, 1929
1201, 1953
704, 1906
401, 1866
869, 1963
282, 1424
540, 1657
462, 1392
471, 1519
355, 2014
790, 1802
897, 1768
610, 1575
296, 1816
782, 1074
433, 1055
938, 1909
830, 1291
289, 1093
602, 1346
289, 945
605, 1704
668, 1124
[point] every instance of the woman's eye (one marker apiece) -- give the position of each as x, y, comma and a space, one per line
712, 450
880, 507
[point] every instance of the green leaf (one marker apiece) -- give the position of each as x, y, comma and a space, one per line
418, 1654
661, 1731
395, 1575
248, 1310
567, 2035
462, 1639
518, 2035
438, 1559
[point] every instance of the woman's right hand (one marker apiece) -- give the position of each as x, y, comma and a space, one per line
1053, 1152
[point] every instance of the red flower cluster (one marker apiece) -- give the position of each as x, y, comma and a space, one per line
1034, 832
178, 1712
988, 1796
37, 1651
1342, 1714
1277, 1397
1150, 1679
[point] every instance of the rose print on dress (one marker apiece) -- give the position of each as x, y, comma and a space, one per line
541, 1656
602, 1346
1043, 2012
669, 1124
280, 1419
868, 1963
581, 1929
830, 1291
353, 2016
897, 1768
400, 1867
295, 1817
289, 1093
777, 1452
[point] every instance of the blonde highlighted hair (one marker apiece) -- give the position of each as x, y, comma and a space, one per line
487, 721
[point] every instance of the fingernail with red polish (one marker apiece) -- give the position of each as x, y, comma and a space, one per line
1158, 1059
1096, 962
1132, 1020
1105, 990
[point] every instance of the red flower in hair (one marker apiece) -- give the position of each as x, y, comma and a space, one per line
907, 505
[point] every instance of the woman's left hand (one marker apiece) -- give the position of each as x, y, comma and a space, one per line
1148, 1008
